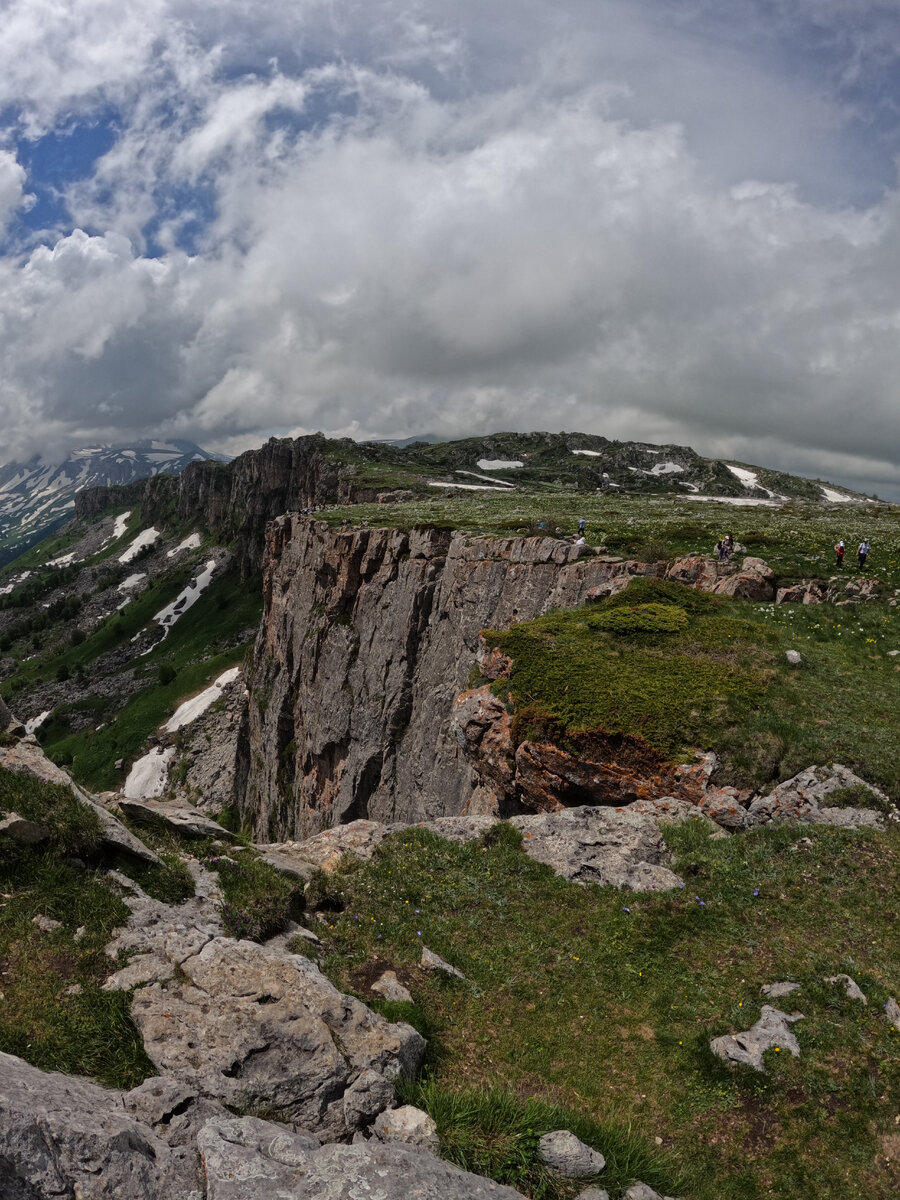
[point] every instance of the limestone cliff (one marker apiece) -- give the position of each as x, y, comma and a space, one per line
368, 636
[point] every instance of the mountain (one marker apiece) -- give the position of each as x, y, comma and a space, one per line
37, 497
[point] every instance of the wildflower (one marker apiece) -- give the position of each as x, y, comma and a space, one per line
625, 909
756, 891
418, 933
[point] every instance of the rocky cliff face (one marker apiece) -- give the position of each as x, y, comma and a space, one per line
368, 636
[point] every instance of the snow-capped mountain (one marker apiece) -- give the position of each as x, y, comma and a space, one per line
37, 496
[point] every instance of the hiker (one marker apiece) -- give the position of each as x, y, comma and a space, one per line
727, 546
840, 550
863, 553
581, 524
720, 550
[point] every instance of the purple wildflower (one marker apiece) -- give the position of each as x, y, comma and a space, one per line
624, 909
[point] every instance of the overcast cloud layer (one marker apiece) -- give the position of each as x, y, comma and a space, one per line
670, 220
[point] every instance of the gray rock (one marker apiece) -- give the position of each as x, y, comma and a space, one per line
771, 1032
566, 1154
799, 801
593, 1193
326, 849
623, 847
256, 1025
287, 861
434, 962
367, 1097
642, 1191
66, 1137
892, 1011
46, 924
775, 990
20, 829
183, 818
793, 657
851, 987
390, 988
248, 1159
409, 1125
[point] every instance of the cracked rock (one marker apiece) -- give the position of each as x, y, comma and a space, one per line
771, 1032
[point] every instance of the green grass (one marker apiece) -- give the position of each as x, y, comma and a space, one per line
257, 901
85, 1031
603, 1003
718, 679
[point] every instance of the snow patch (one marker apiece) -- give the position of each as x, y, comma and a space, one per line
838, 497
132, 581
62, 561
191, 709
36, 722
145, 538
749, 479
488, 478
185, 599
665, 468
498, 464
746, 501
191, 542
119, 527
590, 453
149, 775
467, 487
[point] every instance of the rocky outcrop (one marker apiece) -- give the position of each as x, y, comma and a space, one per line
771, 1032
367, 638
808, 798
753, 579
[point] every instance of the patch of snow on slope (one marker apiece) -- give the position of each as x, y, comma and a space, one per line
36, 722
837, 497
119, 527
145, 538
746, 501
468, 487
590, 453
14, 582
498, 464
191, 542
749, 479
665, 468
488, 478
62, 561
127, 584
149, 775
197, 705
185, 599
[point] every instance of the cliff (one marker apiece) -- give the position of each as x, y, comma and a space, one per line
368, 637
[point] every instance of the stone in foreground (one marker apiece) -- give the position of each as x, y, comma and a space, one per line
775, 990
771, 1032
249, 1159
566, 1154
434, 962
409, 1125
851, 987
389, 987
67, 1137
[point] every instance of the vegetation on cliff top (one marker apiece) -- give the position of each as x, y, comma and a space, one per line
716, 677
604, 1003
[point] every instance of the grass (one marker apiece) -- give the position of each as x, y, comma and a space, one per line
54, 1012
257, 901
714, 676
603, 1004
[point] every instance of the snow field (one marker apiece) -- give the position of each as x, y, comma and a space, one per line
145, 538
498, 464
191, 542
189, 596
191, 709
148, 775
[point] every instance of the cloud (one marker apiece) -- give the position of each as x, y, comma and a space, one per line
430, 220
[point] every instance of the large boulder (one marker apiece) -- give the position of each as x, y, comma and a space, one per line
755, 580
248, 1159
68, 1137
803, 800
254, 1025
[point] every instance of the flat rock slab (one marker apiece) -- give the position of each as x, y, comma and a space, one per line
183, 818
771, 1032
433, 962
776, 990
249, 1159
20, 829
255, 1025
850, 986
389, 987
62, 1136
27, 758
326, 849
285, 858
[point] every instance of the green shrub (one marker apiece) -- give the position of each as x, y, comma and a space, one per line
167, 674
642, 618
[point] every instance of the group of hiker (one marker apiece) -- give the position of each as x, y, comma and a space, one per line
862, 553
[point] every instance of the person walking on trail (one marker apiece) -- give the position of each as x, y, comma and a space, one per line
863, 553
840, 550
581, 524
727, 547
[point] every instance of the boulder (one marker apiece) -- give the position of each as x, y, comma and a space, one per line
326, 849
248, 1159
809, 591
409, 1125
850, 986
593, 1193
726, 806
892, 1011
285, 858
255, 1025
794, 657
21, 830
600, 845
771, 1032
698, 571
62, 1136
642, 1191
566, 1154
434, 962
754, 581
775, 990
389, 987
799, 801
183, 818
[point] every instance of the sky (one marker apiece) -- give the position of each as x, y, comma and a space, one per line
661, 220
